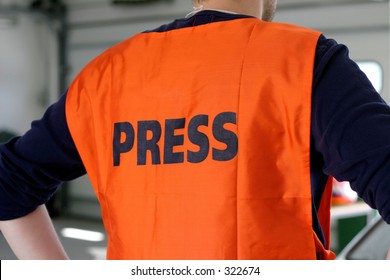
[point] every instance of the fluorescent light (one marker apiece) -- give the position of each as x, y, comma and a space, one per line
81, 234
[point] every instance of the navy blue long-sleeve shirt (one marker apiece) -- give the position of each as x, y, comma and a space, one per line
350, 137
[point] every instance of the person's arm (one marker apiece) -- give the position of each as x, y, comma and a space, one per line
350, 127
33, 237
32, 167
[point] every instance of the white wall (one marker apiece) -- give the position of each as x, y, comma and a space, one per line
363, 28
24, 71
97, 25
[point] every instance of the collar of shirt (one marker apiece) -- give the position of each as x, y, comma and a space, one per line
194, 12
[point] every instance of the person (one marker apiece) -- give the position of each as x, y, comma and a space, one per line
214, 136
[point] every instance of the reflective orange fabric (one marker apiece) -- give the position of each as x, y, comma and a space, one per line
156, 120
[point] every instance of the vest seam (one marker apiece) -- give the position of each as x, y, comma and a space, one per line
238, 133
107, 206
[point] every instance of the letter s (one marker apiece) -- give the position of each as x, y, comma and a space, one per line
225, 136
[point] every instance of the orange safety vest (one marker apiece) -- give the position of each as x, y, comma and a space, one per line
197, 142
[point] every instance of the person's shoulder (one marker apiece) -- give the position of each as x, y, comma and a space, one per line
325, 43
105, 59
285, 34
290, 28
329, 48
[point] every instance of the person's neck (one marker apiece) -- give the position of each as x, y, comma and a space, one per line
250, 8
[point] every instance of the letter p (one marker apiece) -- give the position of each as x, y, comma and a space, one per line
122, 146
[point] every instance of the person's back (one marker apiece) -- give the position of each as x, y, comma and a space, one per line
205, 123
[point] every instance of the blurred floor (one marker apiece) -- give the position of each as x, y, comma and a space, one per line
83, 239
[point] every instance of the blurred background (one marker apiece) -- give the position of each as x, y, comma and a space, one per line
45, 43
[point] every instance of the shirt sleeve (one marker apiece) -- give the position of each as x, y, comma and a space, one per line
33, 166
351, 126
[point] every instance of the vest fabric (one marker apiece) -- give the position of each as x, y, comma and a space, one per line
197, 142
